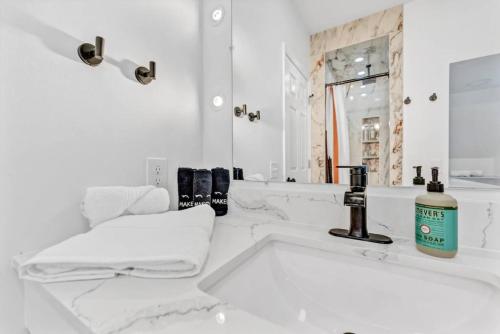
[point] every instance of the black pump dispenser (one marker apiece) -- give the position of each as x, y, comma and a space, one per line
435, 186
418, 180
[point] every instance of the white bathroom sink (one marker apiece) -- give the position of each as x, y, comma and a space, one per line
350, 290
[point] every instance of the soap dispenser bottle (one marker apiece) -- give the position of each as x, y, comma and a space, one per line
418, 180
436, 218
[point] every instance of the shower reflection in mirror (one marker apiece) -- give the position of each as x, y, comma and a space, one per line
357, 111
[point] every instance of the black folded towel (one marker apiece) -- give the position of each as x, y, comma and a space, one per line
185, 187
237, 173
220, 188
202, 187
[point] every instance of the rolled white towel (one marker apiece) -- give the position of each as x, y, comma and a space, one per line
105, 203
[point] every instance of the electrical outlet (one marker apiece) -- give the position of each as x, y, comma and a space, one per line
156, 172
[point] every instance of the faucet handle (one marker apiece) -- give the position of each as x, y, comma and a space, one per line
359, 177
361, 169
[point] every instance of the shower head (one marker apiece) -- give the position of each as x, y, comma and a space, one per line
369, 81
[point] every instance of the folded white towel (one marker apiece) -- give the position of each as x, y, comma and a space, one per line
460, 173
476, 173
168, 245
104, 203
255, 177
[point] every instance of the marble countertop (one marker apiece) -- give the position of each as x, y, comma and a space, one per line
132, 305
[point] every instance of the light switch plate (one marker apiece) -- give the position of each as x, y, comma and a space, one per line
156, 172
273, 170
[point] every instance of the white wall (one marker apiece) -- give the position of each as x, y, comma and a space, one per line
436, 34
65, 126
259, 29
217, 79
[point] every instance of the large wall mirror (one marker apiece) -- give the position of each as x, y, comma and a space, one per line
475, 123
312, 92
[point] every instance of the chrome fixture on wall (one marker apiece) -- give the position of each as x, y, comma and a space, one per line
92, 55
254, 116
433, 97
146, 75
407, 100
240, 111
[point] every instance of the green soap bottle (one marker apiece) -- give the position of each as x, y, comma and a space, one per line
436, 220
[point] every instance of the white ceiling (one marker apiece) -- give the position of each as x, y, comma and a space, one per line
319, 15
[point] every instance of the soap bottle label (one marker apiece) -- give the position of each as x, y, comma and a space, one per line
436, 227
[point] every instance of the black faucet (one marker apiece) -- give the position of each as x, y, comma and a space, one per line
356, 199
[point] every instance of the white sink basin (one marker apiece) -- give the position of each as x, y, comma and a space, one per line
348, 289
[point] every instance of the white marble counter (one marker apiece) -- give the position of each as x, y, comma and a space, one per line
131, 305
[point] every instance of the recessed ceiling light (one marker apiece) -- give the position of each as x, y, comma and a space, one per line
361, 73
363, 95
351, 98
359, 59
362, 86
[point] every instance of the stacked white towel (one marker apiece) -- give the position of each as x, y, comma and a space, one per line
104, 203
467, 173
168, 245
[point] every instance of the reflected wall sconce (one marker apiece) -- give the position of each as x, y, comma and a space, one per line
217, 15
218, 101
92, 55
254, 116
146, 75
240, 111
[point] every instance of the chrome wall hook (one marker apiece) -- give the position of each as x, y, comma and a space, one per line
407, 100
240, 111
146, 75
92, 55
254, 116
433, 97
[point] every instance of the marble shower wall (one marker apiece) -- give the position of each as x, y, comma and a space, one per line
385, 23
390, 210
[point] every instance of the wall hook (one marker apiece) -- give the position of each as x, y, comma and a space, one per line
433, 97
92, 54
146, 75
254, 116
240, 111
407, 100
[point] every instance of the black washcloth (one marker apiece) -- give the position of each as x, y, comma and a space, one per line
202, 187
185, 187
220, 188
237, 173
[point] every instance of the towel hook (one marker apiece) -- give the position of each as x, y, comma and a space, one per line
240, 111
254, 116
433, 97
92, 54
146, 75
